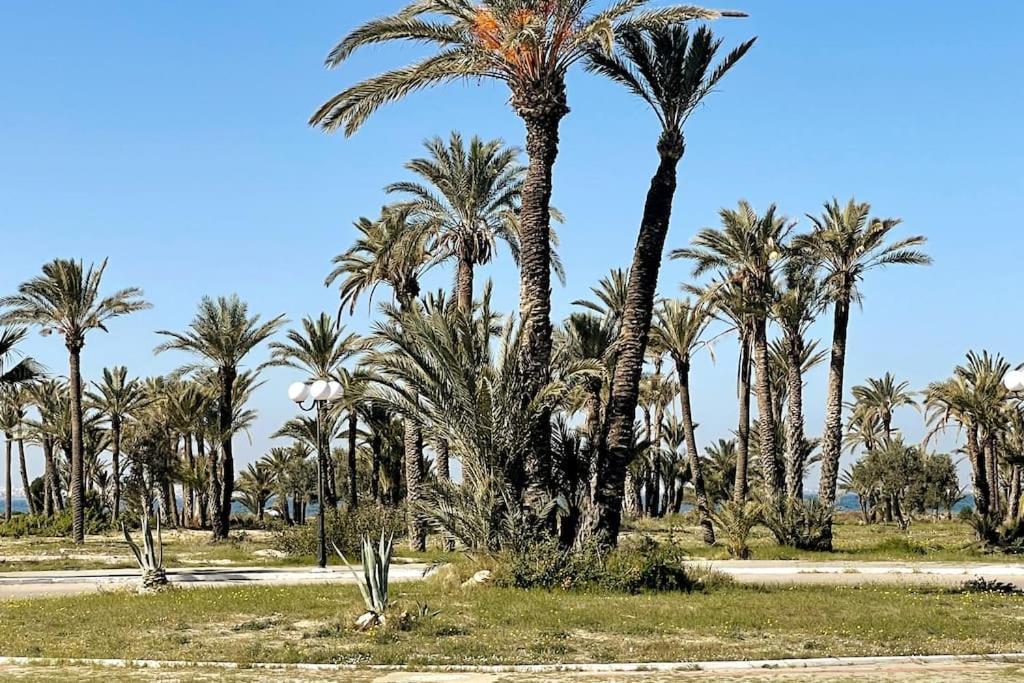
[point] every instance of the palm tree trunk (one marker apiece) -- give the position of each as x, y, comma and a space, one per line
992, 469
1013, 504
696, 473
765, 416
353, 481
442, 460
225, 417
616, 453
188, 493
8, 490
794, 417
464, 284
739, 493
53, 502
77, 463
979, 476
832, 433
115, 468
413, 443
376, 444
542, 110
25, 484
202, 497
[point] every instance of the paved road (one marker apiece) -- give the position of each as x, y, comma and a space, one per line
15, 585
38, 583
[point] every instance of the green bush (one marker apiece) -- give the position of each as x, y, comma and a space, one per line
644, 567
345, 528
56, 525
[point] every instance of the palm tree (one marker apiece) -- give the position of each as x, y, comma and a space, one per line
117, 398
318, 350
19, 399
974, 398
846, 244
255, 486
881, 396
391, 251
530, 46
467, 198
66, 299
745, 251
672, 73
14, 370
680, 327
223, 334
797, 305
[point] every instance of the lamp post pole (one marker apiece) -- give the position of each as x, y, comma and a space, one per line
322, 392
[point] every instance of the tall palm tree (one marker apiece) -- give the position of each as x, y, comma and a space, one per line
66, 299
391, 251
672, 73
529, 45
746, 251
467, 197
680, 328
797, 305
117, 398
846, 243
223, 333
318, 350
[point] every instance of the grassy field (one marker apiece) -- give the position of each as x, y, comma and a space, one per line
925, 541
492, 625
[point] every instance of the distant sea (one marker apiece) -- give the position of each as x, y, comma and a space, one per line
847, 502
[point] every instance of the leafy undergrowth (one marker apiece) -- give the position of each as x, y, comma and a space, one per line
504, 625
925, 541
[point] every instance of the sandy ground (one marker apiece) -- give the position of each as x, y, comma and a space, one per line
978, 672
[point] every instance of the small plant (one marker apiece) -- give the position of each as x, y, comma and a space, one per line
982, 585
373, 585
151, 556
800, 524
735, 523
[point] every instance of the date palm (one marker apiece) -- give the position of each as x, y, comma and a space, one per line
672, 72
746, 251
391, 251
222, 334
66, 299
882, 396
529, 45
466, 197
116, 397
974, 399
680, 327
799, 301
846, 244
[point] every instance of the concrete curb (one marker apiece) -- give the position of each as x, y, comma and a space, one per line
711, 666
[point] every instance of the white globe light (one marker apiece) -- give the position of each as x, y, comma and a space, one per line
1014, 380
336, 390
298, 392
319, 390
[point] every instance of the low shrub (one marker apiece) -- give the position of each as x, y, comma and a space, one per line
800, 524
735, 523
96, 522
643, 567
344, 528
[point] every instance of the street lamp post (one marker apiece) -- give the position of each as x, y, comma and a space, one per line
1014, 381
321, 393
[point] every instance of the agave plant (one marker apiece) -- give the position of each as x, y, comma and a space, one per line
373, 585
151, 556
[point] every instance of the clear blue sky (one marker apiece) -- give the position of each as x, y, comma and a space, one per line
171, 137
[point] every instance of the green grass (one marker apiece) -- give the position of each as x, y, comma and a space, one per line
492, 625
925, 541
